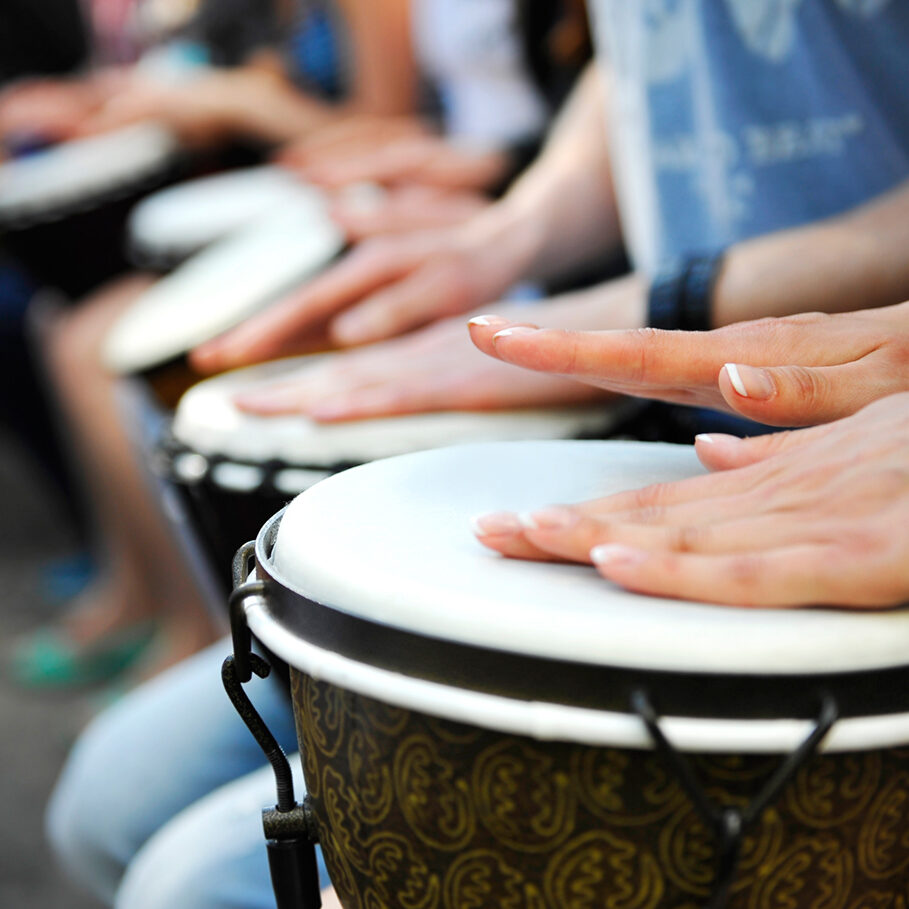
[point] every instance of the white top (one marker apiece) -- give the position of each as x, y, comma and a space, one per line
181, 220
472, 50
208, 422
223, 285
50, 181
392, 542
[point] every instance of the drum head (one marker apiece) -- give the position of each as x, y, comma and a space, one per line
177, 222
221, 286
208, 421
50, 183
391, 542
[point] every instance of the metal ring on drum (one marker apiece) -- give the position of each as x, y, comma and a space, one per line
484, 731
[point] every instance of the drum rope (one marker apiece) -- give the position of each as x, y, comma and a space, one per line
729, 823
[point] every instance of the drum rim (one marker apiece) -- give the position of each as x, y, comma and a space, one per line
270, 619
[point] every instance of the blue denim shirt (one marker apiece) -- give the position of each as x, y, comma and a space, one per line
734, 118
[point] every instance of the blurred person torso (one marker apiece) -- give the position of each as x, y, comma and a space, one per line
471, 51
734, 118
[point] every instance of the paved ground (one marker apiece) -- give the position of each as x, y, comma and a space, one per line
36, 729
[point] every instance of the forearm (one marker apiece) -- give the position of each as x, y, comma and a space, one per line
561, 214
854, 261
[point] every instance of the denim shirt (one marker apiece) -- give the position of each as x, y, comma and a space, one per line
734, 118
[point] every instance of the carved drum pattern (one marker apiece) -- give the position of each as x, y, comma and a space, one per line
416, 812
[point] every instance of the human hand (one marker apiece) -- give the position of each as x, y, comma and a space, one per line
790, 371
418, 157
201, 112
386, 286
434, 369
799, 518
403, 209
51, 109
355, 134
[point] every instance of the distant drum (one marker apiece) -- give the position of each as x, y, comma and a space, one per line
175, 223
238, 469
63, 209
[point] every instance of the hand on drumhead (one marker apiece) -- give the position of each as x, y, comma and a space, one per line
420, 158
49, 109
433, 369
386, 286
353, 135
799, 518
844, 361
403, 209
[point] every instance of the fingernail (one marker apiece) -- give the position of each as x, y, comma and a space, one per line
496, 523
548, 519
486, 320
705, 438
750, 382
614, 554
517, 330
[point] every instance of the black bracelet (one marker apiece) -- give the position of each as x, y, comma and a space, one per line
681, 297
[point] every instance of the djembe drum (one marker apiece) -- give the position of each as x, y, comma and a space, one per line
168, 227
237, 469
63, 210
485, 732
216, 290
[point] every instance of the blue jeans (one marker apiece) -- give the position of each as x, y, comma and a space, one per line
159, 803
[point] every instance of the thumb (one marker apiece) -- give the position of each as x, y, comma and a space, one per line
793, 395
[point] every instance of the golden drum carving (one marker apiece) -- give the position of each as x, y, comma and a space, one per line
418, 813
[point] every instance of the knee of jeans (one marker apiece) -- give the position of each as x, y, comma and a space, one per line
82, 841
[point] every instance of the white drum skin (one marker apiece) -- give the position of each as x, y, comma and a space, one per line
173, 224
221, 286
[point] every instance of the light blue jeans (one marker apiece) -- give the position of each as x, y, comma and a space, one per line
159, 803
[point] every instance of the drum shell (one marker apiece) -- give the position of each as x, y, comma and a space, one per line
416, 810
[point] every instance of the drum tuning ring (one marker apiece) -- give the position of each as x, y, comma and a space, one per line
730, 824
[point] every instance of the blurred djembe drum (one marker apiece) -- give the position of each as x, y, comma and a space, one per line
63, 210
217, 289
169, 226
237, 469
485, 732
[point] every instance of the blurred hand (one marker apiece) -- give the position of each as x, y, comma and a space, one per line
355, 134
50, 109
844, 361
436, 368
800, 518
201, 112
404, 209
411, 157
386, 286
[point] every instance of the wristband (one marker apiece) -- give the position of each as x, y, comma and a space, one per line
681, 297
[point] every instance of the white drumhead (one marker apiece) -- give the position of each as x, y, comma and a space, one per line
221, 286
208, 422
180, 220
50, 181
391, 542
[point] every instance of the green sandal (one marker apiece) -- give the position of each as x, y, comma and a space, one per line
48, 659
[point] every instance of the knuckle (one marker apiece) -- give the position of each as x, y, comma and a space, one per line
746, 572
688, 538
652, 497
